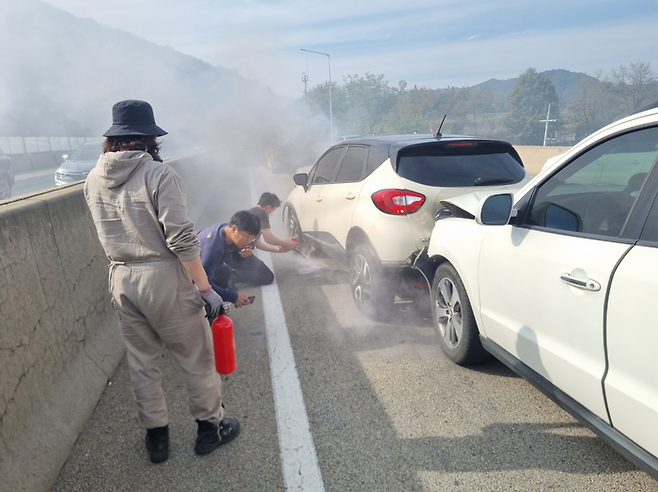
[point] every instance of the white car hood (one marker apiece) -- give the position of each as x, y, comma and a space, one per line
77, 166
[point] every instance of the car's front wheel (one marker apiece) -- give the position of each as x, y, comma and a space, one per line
453, 318
294, 229
370, 290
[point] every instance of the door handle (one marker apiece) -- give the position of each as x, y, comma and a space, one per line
318, 198
588, 284
350, 196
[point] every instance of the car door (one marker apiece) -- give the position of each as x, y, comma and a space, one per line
632, 337
544, 280
320, 179
342, 197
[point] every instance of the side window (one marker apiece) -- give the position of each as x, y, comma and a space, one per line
326, 166
594, 193
376, 156
649, 235
352, 167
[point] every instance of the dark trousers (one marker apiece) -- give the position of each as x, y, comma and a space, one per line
224, 276
250, 270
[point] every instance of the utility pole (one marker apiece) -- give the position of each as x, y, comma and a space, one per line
547, 121
305, 77
305, 80
331, 112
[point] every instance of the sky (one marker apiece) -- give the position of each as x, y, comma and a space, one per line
427, 43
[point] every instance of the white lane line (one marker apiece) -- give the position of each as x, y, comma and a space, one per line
301, 471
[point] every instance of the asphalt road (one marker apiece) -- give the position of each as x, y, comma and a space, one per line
386, 410
33, 182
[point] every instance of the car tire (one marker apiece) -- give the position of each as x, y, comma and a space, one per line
370, 289
294, 229
5, 187
453, 318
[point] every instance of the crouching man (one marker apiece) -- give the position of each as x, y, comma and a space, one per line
222, 241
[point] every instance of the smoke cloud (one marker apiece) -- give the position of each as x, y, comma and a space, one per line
62, 74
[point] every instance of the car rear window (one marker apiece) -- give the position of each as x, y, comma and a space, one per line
454, 164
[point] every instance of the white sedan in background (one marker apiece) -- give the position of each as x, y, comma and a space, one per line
76, 167
559, 282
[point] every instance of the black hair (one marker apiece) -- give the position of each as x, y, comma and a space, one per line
269, 199
245, 222
147, 143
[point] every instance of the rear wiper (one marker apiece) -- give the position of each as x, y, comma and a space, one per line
490, 180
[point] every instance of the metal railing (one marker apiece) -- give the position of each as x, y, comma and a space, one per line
28, 145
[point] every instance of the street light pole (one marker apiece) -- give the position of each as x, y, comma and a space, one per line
331, 114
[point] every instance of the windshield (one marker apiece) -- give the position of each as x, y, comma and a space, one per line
456, 164
87, 152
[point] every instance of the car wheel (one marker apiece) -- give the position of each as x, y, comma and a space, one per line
5, 188
453, 318
370, 290
294, 229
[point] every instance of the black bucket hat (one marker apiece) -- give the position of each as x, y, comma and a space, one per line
133, 117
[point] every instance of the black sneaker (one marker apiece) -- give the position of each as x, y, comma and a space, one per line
211, 436
157, 443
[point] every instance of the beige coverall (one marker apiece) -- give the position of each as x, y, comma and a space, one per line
140, 212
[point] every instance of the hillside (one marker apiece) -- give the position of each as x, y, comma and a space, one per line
565, 82
61, 75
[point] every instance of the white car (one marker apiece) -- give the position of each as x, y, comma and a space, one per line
76, 167
371, 202
558, 281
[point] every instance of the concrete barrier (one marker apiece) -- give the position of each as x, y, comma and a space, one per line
534, 156
59, 340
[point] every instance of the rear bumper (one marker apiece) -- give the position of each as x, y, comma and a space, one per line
412, 277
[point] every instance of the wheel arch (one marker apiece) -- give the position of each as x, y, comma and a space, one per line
286, 209
435, 262
357, 237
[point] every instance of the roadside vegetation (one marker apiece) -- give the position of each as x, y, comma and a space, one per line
369, 105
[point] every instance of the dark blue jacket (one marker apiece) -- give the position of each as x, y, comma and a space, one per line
214, 252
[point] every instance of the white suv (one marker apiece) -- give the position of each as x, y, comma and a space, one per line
559, 282
371, 202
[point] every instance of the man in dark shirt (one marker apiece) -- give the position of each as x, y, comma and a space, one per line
219, 244
248, 268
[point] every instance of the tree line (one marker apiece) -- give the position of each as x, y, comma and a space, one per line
368, 105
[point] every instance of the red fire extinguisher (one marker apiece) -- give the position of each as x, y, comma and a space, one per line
223, 343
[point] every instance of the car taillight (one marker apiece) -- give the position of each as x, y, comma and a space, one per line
398, 202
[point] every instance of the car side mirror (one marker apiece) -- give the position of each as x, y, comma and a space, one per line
65, 156
495, 210
301, 179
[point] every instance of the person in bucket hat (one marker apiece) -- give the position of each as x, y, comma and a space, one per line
157, 282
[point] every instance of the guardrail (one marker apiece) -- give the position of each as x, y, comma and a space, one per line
34, 153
